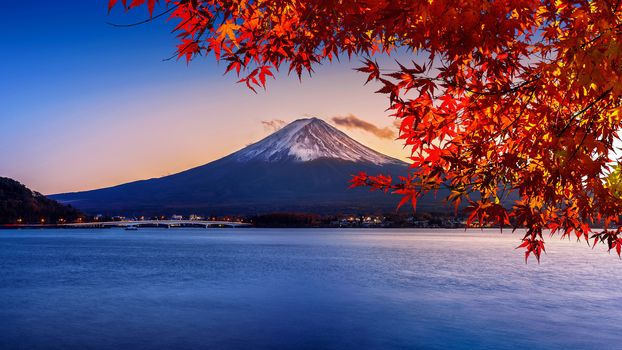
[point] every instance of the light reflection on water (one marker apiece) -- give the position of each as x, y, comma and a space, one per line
303, 289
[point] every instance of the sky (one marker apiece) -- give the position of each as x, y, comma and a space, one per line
85, 105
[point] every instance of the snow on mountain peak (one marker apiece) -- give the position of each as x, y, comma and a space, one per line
307, 139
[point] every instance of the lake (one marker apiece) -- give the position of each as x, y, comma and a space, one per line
303, 289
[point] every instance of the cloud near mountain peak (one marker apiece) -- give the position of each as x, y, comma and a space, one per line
353, 122
273, 125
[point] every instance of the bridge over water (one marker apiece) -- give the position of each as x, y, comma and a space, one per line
158, 223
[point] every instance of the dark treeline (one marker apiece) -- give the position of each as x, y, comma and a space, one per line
287, 220
18, 204
393, 220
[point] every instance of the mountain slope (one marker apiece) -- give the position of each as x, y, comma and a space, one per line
305, 166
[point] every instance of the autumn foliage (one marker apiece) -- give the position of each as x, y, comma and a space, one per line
514, 106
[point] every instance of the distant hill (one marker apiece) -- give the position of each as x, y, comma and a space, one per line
17, 202
303, 167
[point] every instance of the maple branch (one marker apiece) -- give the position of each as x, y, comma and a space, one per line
590, 105
145, 21
178, 53
587, 131
500, 92
597, 37
580, 144
520, 114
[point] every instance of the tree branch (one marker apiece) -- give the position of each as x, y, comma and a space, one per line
145, 21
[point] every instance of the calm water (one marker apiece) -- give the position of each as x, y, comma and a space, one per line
302, 289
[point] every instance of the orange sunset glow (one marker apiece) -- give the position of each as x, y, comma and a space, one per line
159, 132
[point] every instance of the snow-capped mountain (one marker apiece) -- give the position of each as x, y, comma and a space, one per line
304, 167
309, 139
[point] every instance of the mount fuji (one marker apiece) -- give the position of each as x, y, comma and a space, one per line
309, 139
303, 167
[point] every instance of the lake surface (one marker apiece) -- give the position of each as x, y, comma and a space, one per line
303, 289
